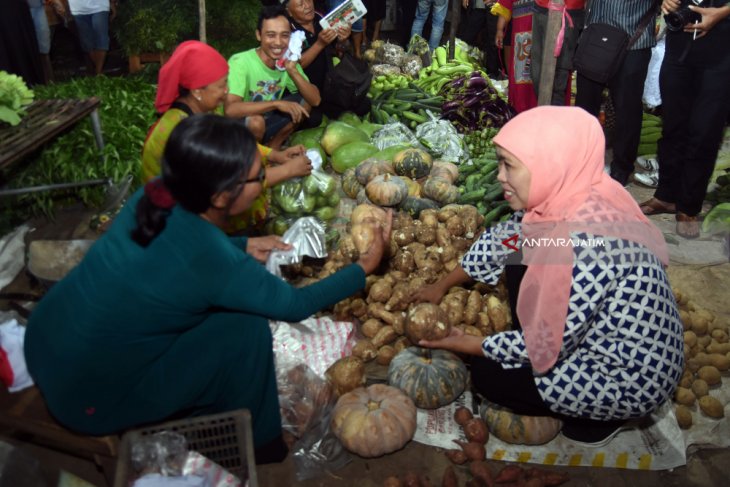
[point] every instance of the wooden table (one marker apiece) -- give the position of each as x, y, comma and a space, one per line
45, 120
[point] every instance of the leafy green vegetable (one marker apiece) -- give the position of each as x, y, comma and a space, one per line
14, 95
126, 113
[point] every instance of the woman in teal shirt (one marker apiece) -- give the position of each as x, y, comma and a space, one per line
167, 316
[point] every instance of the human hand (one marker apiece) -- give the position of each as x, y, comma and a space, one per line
457, 342
370, 259
465, 3
433, 293
710, 18
299, 165
293, 109
499, 39
343, 32
294, 151
670, 6
326, 36
260, 247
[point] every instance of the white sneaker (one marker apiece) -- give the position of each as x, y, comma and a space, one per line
650, 179
648, 163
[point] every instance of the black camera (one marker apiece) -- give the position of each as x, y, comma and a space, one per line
683, 15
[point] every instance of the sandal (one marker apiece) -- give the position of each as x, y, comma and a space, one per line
655, 206
688, 226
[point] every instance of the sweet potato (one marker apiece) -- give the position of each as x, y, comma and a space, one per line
473, 303
480, 470
385, 354
380, 292
449, 478
365, 350
472, 449
404, 236
684, 416
684, 396
711, 407
426, 321
371, 327
700, 388
429, 217
462, 415
709, 374
455, 226
426, 235
476, 430
384, 336
346, 374
392, 481
403, 261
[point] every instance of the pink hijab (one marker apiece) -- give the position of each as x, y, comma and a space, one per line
563, 147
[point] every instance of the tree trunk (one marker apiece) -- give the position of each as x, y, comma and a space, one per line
201, 24
549, 61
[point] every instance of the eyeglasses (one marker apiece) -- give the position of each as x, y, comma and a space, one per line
259, 178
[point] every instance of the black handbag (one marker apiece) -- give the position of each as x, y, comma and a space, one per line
602, 48
347, 84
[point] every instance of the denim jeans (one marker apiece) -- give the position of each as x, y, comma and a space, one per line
440, 7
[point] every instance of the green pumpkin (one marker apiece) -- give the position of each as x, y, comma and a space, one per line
414, 163
431, 377
350, 185
414, 206
386, 190
350, 155
440, 190
371, 167
518, 429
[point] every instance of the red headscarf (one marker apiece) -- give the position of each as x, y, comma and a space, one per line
563, 147
193, 65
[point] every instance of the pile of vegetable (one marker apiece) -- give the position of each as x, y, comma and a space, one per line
651, 132
407, 104
441, 71
478, 186
14, 97
420, 252
707, 359
472, 103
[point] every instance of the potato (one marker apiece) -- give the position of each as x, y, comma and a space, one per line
358, 307
426, 321
690, 338
384, 336
429, 218
371, 327
472, 330
455, 226
698, 324
401, 343
711, 407
346, 374
473, 303
684, 396
380, 292
684, 417
400, 298
445, 213
719, 361
719, 335
716, 347
497, 314
686, 381
704, 341
364, 350
709, 374
385, 354
703, 313
684, 317
426, 234
700, 388
404, 236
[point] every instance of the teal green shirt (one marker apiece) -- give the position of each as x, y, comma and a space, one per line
96, 332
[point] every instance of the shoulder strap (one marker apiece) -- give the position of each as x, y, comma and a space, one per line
182, 106
644, 22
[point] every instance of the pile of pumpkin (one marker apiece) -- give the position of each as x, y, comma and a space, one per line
411, 182
707, 359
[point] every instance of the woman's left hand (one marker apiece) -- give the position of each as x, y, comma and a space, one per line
260, 247
344, 32
458, 342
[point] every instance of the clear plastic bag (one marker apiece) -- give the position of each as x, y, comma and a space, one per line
389, 54
411, 65
384, 69
307, 402
442, 140
163, 453
307, 236
395, 133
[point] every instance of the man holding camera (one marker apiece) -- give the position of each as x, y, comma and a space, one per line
694, 82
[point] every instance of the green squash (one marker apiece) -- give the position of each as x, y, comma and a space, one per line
350, 185
431, 377
389, 153
300, 136
350, 155
350, 119
414, 206
371, 167
414, 163
338, 134
440, 190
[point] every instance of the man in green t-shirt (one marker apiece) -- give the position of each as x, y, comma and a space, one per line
274, 101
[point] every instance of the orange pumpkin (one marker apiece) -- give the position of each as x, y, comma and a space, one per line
374, 421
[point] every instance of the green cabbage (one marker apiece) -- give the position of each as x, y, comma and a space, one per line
14, 97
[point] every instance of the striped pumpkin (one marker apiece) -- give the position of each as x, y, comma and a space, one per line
517, 428
432, 378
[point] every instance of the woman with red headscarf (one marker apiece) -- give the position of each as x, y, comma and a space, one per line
596, 338
195, 80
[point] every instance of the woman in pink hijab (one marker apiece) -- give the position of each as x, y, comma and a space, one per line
596, 338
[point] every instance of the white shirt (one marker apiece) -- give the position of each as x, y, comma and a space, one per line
87, 7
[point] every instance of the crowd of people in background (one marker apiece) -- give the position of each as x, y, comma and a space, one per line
512, 35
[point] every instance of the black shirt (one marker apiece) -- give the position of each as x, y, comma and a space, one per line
317, 70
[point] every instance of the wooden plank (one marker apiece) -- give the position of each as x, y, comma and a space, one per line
45, 120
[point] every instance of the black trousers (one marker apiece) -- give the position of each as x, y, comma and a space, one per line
473, 20
695, 87
626, 89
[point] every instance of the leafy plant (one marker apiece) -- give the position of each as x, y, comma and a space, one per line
126, 113
14, 95
159, 26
